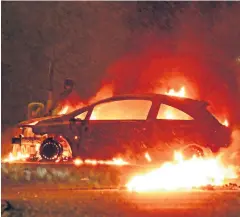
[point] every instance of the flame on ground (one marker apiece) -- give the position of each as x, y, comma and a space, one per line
114, 161
183, 174
18, 157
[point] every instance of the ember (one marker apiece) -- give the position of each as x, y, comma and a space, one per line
183, 174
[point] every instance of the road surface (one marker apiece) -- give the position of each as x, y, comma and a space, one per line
35, 202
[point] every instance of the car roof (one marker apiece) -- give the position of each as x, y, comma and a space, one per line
180, 102
152, 96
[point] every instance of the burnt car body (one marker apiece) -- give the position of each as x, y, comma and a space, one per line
122, 123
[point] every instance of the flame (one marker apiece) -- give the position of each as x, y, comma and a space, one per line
183, 174
180, 93
225, 123
78, 162
105, 92
18, 157
147, 156
114, 161
64, 110
34, 123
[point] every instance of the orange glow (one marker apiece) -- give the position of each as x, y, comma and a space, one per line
147, 156
180, 93
114, 161
18, 157
183, 174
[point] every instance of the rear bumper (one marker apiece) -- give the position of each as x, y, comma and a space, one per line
220, 139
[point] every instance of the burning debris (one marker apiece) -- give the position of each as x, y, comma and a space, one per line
183, 174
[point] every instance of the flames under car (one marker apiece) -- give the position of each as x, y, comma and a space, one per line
123, 124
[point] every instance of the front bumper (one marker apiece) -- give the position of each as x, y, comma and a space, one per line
25, 145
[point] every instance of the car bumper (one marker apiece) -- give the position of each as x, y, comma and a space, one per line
26, 146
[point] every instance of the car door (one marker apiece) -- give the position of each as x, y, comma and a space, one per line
174, 127
116, 127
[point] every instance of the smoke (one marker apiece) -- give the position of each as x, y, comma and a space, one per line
199, 53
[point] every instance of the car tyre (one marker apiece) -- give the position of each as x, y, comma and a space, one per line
50, 150
192, 150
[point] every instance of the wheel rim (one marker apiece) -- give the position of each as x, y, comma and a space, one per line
50, 150
191, 151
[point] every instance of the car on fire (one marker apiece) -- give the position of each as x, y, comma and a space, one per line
122, 123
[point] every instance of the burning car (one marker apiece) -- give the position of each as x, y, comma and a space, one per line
122, 123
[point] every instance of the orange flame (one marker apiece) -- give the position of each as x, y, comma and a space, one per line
114, 161
105, 92
18, 157
147, 156
64, 110
183, 174
78, 162
180, 93
225, 123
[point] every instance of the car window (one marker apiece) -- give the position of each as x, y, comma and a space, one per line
171, 113
81, 116
122, 110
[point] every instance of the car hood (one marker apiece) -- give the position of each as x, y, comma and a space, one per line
35, 121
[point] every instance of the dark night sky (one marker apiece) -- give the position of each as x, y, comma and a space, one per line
94, 42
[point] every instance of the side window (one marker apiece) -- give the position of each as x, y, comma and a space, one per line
171, 113
82, 116
122, 110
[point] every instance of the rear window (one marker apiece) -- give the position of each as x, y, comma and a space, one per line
167, 112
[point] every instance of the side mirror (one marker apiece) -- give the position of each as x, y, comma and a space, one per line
72, 119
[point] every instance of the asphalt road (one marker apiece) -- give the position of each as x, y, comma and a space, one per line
32, 201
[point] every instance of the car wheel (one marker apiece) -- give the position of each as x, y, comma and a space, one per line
50, 150
192, 150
